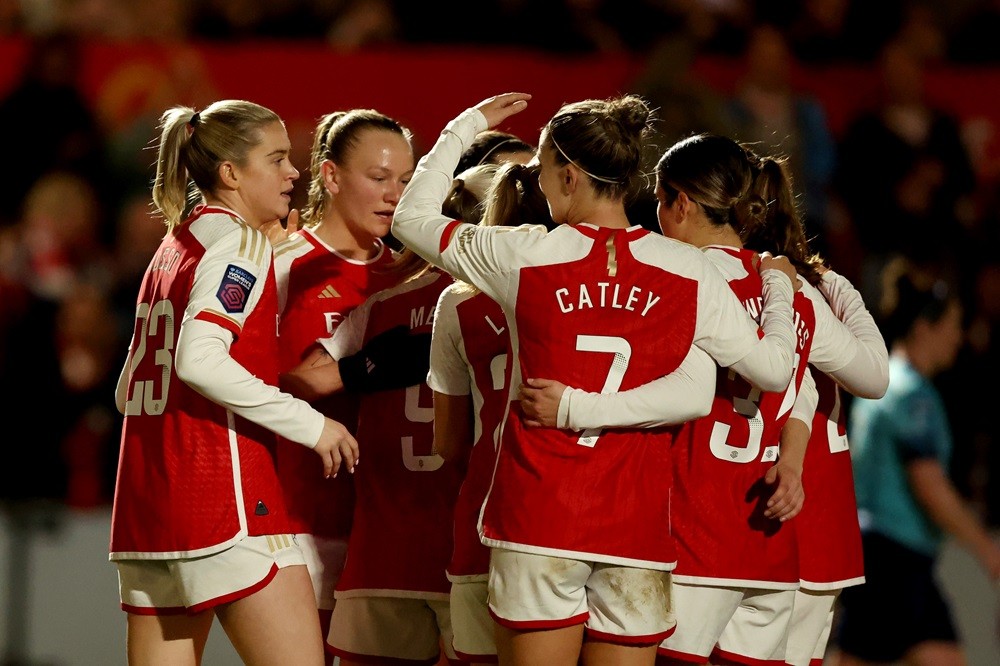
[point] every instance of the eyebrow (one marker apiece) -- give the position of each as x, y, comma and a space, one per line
279, 151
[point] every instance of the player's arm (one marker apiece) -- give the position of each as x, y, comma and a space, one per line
762, 354
785, 476
866, 374
941, 500
418, 222
453, 433
684, 394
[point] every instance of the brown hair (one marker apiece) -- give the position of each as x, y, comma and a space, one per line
336, 135
602, 138
736, 187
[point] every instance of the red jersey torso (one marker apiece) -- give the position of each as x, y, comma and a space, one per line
720, 460
317, 288
193, 477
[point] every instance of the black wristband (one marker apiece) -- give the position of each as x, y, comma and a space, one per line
354, 372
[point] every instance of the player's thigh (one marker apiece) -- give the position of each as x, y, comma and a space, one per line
167, 639
287, 608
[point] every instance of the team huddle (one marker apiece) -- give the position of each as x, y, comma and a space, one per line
583, 440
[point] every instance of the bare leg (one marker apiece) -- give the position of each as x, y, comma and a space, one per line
277, 625
599, 653
167, 639
551, 647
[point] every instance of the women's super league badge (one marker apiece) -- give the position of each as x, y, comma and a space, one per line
235, 288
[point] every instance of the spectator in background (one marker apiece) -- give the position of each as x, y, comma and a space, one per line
973, 41
903, 173
48, 96
902, 445
767, 110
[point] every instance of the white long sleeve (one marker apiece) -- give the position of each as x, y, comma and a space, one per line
683, 395
866, 375
203, 362
768, 364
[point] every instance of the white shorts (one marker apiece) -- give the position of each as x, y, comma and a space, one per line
390, 627
475, 630
168, 587
325, 558
809, 632
745, 625
616, 603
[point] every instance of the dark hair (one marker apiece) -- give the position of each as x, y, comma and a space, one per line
736, 187
909, 297
336, 135
602, 138
487, 145
190, 152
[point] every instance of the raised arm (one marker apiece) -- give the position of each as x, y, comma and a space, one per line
418, 222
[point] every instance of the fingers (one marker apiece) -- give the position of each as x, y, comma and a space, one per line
292, 221
500, 107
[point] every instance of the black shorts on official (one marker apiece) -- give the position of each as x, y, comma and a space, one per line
899, 605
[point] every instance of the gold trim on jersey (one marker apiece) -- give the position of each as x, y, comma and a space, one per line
224, 316
612, 256
289, 244
253, 245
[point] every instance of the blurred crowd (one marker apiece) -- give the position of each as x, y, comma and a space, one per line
900, 179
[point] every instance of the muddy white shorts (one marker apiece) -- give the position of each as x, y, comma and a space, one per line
616, 603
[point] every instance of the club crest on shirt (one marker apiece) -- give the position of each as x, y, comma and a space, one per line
235, 288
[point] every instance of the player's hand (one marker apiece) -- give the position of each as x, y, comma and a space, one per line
788, 495
500, 107
779, 262
540, 402
337, 447
277, 232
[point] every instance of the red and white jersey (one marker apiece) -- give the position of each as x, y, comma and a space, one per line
720, 461
469, 355
596, 308
317, 288
193, 476
402, 535
829, 536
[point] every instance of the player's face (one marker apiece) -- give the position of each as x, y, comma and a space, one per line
267, 177
368, 185
550, 181
947, 335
